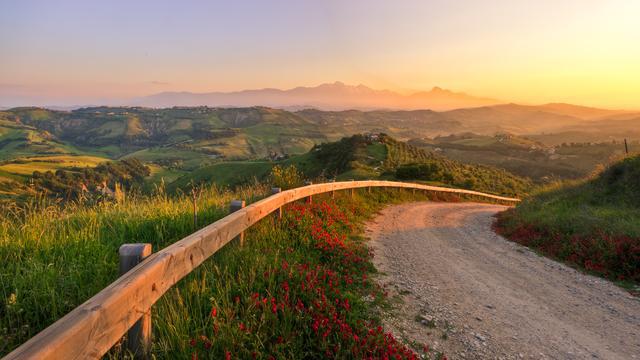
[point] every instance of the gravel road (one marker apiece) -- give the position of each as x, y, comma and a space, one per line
474, 295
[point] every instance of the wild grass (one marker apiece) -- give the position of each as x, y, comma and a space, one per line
238, 281
53, 258
593, 224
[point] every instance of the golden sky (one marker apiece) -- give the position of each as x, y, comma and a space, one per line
72, 51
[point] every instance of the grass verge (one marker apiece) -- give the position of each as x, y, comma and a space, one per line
593, 225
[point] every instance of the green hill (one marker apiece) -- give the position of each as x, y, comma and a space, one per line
367, 157
381, 156
183, 139
593, 224
527, 156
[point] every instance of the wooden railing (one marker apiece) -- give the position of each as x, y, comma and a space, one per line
91, 329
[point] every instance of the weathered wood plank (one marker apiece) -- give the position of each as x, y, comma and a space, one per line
91, 329
139, 336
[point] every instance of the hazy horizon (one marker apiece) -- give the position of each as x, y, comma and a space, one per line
76, 53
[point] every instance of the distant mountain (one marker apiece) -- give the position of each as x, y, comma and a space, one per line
583, 112
334, 96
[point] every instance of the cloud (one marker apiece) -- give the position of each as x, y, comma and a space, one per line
159, 83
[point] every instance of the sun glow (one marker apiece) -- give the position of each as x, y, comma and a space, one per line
571, 51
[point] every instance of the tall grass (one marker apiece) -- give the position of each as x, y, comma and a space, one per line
592, 224
53, 258
230, 281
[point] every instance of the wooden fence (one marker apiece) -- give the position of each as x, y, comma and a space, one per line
91, 329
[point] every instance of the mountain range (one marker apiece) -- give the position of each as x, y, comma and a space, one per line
330, 96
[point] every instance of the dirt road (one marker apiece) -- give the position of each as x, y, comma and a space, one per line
472, 294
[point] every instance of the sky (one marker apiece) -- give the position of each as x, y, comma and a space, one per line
82, 51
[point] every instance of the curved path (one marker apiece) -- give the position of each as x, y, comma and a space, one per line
472, 294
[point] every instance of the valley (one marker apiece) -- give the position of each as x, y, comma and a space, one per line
543, 143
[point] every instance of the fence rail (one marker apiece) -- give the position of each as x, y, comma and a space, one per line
94, 327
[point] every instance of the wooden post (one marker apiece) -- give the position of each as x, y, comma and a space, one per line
235, 206
309, 199
139, 336
194, 198
277, 190
333, 192
369, 189
353, 191
626, 147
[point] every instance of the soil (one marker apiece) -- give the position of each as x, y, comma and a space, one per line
471, 294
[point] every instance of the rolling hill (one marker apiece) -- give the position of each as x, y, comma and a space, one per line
366, 157
179, 140
527, 155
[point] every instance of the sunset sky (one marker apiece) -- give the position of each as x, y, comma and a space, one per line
74, 52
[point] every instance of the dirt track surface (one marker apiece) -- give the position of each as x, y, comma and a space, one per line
492, 298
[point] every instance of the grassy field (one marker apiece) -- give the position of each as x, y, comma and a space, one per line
225, 174
52, 259
26, 166
592, 224
526, 157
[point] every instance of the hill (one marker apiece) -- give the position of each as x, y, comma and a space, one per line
254, 132
180, 140
368, 157
527, 155
593, 224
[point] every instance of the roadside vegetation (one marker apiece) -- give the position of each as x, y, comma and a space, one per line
592, 224
55, 256
301, 287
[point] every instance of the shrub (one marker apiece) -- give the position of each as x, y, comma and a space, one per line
286, 177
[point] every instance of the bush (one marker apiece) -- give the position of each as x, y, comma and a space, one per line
286, 177
425, 171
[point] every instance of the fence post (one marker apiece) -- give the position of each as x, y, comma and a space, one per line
353, 191
235, 206
626, 147
333, 191
139, 336
277, 190
309, 199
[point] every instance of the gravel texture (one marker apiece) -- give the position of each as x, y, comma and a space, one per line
474, 295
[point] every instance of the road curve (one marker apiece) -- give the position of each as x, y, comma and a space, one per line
474, 295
